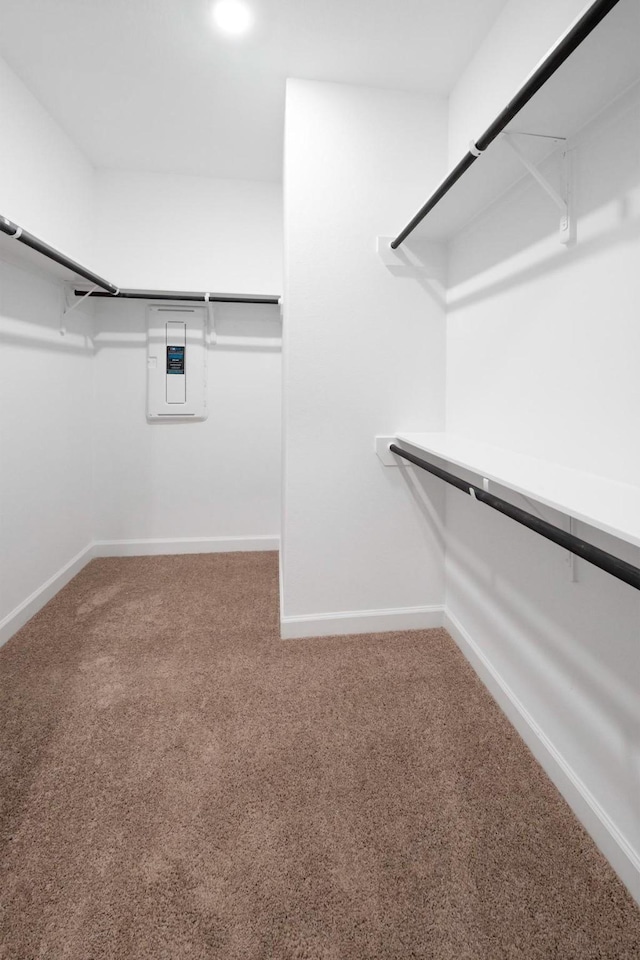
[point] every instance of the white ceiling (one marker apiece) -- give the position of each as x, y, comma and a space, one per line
148, 85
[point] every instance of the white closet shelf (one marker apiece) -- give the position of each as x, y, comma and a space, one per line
14, 252
24, 249
600, 69
604, 504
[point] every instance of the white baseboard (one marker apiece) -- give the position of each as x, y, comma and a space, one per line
361, 621
280, 583
620, 854
623, 858
15, 620
152, 548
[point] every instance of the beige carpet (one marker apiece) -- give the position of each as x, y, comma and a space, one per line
179, 783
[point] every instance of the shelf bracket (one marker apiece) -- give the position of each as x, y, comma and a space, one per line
80, 301
572, 559
72, 306
561, 200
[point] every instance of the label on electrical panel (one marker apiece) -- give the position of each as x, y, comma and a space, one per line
175, 360
173, 392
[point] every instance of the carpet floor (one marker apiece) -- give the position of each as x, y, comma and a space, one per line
179, 783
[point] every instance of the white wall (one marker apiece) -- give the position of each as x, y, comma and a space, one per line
219, 478
364, 354
173, 232
214, 479
46, 183
542, 354
45, 389
45, 439
521, 36
78, 460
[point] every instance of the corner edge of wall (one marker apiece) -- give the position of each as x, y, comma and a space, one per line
21, 614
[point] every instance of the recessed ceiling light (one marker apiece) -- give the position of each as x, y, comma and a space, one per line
232, 16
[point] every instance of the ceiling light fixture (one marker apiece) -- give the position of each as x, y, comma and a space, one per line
232, 16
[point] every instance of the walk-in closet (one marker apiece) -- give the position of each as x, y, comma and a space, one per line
319, 480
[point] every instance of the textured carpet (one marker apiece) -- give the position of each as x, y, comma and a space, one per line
179, 783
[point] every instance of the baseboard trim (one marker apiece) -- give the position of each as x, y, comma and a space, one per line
620, 854
176, 545
361, 621
280, 584
15, 620
623, 858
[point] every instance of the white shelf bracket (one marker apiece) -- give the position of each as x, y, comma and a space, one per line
560, 200
79, 301
211, 334
72, 306
572, 560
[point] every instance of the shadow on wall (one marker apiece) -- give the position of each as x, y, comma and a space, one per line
427, 493
554, 638
244, 326
424, 261
549, 634
32, 313
237, 326
605, 162
522, 573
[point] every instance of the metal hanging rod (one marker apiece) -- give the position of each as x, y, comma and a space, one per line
177, 295
12, 229
108, 289
581, 548
563, 49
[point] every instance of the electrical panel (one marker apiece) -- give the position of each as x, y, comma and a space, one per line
177, 363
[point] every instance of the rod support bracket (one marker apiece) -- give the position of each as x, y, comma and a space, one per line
78, 302
560, 198
572, 559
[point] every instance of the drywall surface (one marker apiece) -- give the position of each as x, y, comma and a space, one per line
45, 436
542, 354
46, 186
364, 352
67, 478
173, 232
46, 183
196, 480
521, 36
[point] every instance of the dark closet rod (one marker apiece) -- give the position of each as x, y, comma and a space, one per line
600, 558
110, 290
177, 295
563, 49
23, 236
